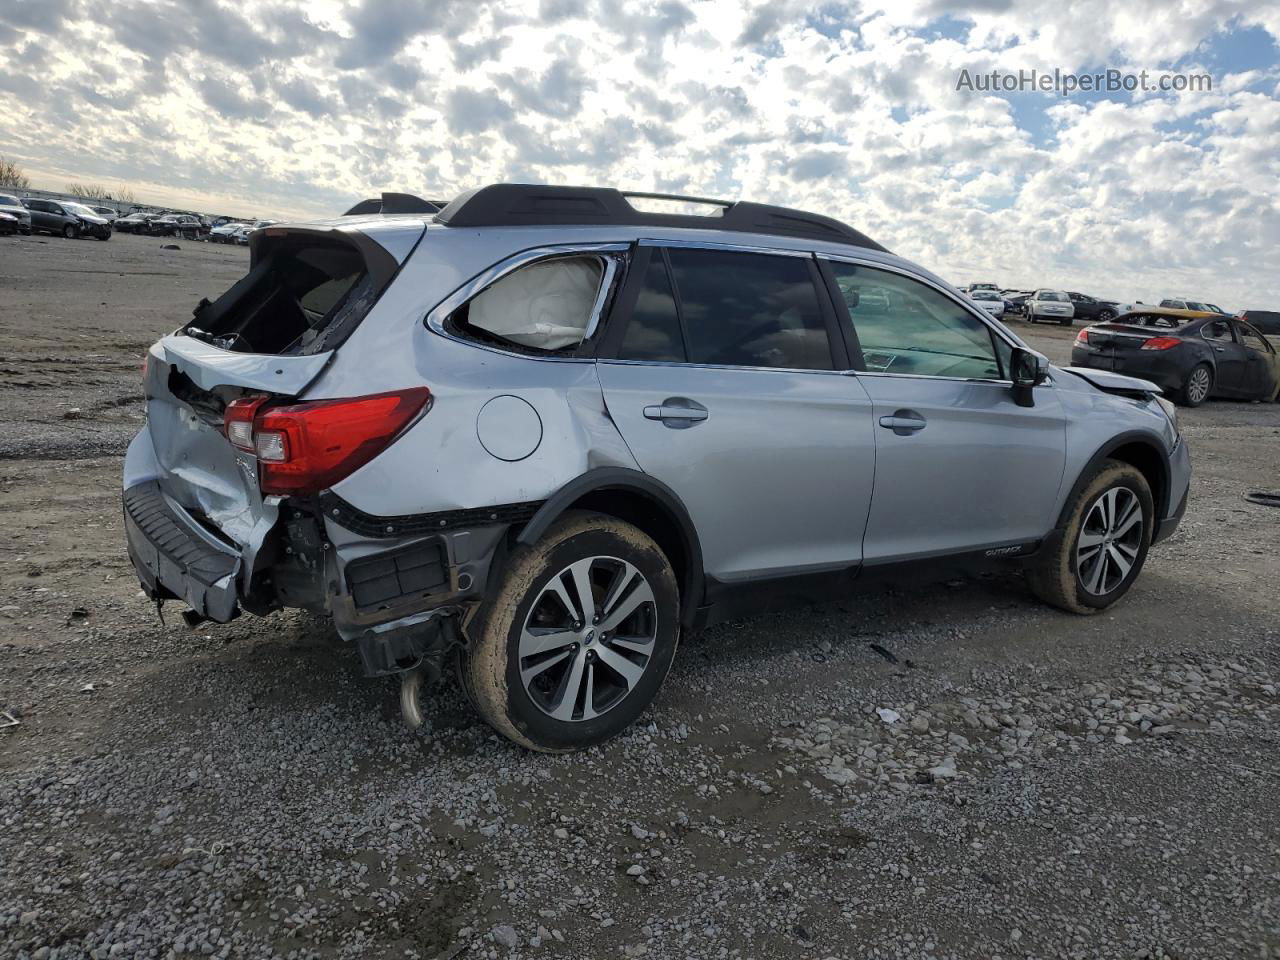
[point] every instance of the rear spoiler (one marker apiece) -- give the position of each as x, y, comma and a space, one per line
396, 203
1116, 383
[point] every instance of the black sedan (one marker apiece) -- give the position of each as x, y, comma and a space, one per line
1191, 355
1091, 309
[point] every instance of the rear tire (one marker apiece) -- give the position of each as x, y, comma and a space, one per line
554, 674
1197, 387
1083, 567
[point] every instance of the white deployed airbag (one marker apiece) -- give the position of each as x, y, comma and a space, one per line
546, 305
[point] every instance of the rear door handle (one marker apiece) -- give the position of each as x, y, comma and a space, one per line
678, 413
904, 422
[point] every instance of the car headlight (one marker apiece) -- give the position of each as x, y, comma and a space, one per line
1171, 412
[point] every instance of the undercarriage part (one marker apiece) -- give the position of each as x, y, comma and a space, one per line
417, 652
411, 698
422, 643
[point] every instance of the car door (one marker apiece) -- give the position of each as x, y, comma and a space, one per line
1230, 358
960, 466
41, 218
718, 370
1261, 368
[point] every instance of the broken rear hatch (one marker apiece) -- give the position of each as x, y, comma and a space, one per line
271, 334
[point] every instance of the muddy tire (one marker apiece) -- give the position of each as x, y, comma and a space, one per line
554, 673
1093, 562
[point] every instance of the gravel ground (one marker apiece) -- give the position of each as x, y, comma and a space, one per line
929, 770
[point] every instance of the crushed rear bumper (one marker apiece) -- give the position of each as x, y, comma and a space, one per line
175, 557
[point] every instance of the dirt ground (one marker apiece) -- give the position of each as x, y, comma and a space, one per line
1051, 786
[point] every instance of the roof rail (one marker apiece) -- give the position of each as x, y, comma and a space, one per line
523, 204
396, 203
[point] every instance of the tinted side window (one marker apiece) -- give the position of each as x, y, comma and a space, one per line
906, 327
653, 332
750, 310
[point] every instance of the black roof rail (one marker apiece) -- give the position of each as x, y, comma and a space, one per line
524, 204
396, 203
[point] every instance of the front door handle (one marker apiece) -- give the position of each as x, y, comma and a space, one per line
904, 422
678, 413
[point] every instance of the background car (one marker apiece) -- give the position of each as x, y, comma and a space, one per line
1191, 354
134, 222
1015, 301
1182, 303
225, 232
989, 300
9, 224
69, 219
1267, 321
177, 225
108, 214
91, 222
1091, 309
13, 207
1049, 305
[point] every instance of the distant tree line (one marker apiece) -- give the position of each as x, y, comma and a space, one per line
11, 175
96, 191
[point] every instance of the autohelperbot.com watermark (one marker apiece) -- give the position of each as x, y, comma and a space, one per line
1066, 83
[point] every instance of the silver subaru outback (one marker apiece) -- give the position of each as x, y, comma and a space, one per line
537, 432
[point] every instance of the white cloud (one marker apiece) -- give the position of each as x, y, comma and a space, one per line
300, 108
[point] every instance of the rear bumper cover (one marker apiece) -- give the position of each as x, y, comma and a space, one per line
174, 557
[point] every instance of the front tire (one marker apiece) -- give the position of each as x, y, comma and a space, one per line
578, 638
1105, 316
71, 231
1094, 561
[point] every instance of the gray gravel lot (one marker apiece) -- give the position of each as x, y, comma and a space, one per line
925, 771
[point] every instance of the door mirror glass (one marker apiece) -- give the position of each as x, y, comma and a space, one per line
1027, 369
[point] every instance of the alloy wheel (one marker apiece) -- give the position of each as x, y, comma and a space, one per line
1110, 541
588, 639
1198, 385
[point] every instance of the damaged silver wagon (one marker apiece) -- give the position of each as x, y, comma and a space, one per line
538, 431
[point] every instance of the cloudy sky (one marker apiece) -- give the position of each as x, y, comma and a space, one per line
299, 108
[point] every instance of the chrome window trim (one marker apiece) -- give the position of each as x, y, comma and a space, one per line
972, 310
437, 315
723, 366
727, 247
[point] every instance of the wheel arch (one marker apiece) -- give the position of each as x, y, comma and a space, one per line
644, 502
1140, 450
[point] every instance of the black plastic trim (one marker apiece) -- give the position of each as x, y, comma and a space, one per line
334, 508
622, 478
1103, 453
396, 203
526, 204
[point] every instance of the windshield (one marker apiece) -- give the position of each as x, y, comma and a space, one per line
1052, 295
79, 208
1197, 305
8, 201
985, 295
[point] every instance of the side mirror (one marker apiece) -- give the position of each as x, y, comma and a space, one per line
1027, 370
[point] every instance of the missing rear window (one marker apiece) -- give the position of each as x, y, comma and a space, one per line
303, 296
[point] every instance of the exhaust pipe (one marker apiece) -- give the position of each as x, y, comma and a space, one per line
411, 698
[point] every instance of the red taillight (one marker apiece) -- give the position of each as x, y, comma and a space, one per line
1082, 336
1160, 343
304, 447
